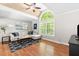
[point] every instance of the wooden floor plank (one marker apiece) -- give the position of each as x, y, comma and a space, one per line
43, 48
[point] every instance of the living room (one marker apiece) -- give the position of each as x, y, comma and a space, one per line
19, 29
14, 21
30, 22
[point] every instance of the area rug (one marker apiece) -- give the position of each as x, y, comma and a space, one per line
16, 45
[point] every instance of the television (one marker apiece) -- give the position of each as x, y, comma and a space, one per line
78, 30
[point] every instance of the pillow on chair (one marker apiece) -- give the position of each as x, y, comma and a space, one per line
15, 34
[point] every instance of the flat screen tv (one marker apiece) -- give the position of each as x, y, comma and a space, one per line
78, 30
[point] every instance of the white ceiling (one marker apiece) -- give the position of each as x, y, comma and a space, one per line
9, 13
60, 8
57, 8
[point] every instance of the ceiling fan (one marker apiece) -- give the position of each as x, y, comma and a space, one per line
32, 6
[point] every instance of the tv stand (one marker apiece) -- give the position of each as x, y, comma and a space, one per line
74, 45
76, 38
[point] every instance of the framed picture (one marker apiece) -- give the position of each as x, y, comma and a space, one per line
35, 26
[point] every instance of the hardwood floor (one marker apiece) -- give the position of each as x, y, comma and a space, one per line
44, 48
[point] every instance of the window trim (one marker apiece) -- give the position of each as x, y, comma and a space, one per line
47, 22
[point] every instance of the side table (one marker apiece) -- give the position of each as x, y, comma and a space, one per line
5, 37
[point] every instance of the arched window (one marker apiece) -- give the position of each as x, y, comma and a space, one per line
46, 23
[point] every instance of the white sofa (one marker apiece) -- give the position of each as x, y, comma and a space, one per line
36, 37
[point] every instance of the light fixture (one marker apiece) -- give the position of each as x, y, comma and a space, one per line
35, 6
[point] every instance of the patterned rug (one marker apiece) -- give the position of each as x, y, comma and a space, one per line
16, 45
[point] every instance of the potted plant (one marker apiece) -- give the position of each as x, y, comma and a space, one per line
3, 28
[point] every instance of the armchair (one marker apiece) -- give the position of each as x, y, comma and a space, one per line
14, 36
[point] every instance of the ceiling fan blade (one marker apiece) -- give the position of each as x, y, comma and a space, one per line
37, 7
27, 4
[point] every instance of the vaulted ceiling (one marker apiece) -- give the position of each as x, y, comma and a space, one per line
60, 8
22, 7
12, 14
57, 8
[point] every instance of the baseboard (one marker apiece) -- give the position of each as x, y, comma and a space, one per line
56, 41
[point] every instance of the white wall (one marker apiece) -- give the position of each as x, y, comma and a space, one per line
65, 26
13, 23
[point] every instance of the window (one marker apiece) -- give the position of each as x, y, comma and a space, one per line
46, 23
